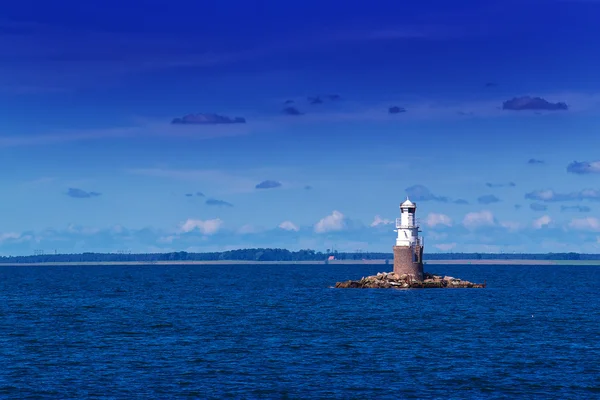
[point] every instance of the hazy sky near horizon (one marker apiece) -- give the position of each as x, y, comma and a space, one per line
118, 126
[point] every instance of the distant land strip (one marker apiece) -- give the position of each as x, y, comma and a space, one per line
284, 256
334, 262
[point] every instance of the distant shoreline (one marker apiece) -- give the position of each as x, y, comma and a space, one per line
331, 262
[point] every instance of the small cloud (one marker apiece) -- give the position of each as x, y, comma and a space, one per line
488, 199
517, 206
289, 226
445, 246
9, 236
575, 208
434, 219
207, 227
460, 201
541, 222
437, 235
491, 84
81, 194
479, 219
538, 207
292, 111
511, 225
585, 224
189, 194
499, 185
334, 97
207, 119
534, 161
215, 202
246, 229
288, 102
532, 103
268, 184
421, 193
585, 167
542, 195
334, 222
548, 195
199, 194
315, 100
308, 187
396, 110
380, 221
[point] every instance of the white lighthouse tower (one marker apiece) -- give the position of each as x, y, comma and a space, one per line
408, 251
406, 226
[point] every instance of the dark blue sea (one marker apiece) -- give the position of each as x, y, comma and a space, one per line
281, 332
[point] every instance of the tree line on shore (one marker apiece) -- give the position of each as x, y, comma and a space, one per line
279, 255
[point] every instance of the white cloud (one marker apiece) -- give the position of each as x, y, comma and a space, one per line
215, 180
289, 226
162, 129
334, 222
545, 195
448, 109
593, 167
541, 222
198, 175
437, 235
84, 230
167, 239
478, 219
482, 248
8, 236
445, 246
247, 229
118, 229
548, 195
434, 219
585, 224
380, 221
207, 227
511, 225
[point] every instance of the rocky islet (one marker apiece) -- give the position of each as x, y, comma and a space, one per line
392, 280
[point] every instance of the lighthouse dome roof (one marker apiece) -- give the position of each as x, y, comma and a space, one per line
408, 204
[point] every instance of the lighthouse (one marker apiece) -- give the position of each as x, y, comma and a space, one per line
408, 251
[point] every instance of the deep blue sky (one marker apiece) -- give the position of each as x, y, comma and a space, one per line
92, 162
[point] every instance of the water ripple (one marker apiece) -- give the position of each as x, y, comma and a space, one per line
250, 331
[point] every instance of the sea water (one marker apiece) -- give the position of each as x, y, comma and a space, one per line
281, 331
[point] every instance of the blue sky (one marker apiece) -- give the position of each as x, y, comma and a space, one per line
343, 111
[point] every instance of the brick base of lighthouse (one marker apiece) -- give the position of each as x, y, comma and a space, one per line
409, 260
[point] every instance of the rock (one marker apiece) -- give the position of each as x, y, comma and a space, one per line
386, 280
